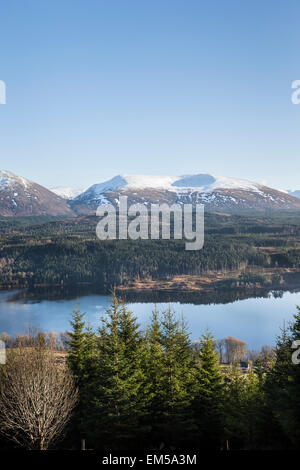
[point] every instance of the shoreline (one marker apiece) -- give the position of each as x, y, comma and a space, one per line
255, 277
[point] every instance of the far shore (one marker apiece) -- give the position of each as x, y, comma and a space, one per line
273, 278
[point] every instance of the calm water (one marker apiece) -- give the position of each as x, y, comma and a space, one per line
254, 320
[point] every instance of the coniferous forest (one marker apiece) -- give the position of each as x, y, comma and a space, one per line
141, 389
258, 247
124, 388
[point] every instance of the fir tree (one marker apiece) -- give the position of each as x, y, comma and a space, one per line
154, 374
175, 381
81, 360
234, 410
253, 402
277, 391
119, 379
76, 346
208, 391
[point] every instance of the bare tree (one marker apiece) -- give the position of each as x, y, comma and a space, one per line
220, 348
52, 340
235, 349
37, 397
253, 355
267, 353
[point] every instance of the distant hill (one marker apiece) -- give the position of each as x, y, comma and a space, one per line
22, 197
67, 192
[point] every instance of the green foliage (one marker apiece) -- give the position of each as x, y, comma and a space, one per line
208, 399
77, 346
82, 362
67, 251
144, 389
118, 385
243, 412
170, 376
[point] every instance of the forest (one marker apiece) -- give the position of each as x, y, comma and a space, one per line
121, 387
39, 251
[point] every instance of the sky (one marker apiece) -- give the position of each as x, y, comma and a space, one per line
99, 88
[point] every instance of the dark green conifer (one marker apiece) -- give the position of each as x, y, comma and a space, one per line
208, 394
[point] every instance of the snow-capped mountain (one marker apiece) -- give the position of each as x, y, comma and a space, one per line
217, 193
21, 197
67, 192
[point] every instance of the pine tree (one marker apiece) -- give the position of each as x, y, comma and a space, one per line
76, 346
208, 399
175, 391
277, 392
81, 360
129, 331
254, 402
118, 404
244, 402
234, 410
154, 373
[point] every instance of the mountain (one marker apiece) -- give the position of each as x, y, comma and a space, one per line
67, 192
294, 193
21, 197
217, 193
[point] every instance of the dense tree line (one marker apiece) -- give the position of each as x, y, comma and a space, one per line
119, 262
45, 251
144, 389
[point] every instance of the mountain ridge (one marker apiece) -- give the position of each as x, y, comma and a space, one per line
20, 196
216, 192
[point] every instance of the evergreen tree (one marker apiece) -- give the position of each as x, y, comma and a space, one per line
176, 391
244, 410
208, 394
76, 346
81, 360
118, 404
129, 331
234, 410
254, 402
277, 391
154, 374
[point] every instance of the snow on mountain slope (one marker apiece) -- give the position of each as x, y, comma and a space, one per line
22, 197
200, 182
214, 191
9, 180
208, 183
19, 196
67, 192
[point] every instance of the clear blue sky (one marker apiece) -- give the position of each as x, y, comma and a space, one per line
98, 88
